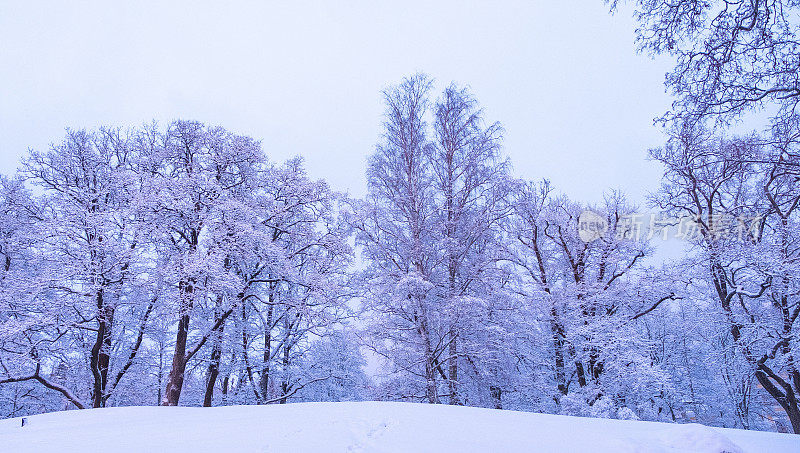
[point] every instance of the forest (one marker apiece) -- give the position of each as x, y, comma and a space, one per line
178, 263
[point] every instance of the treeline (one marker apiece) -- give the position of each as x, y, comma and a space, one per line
177, 264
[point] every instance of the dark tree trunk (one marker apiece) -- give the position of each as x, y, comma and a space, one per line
595, 365
216, 354
581, 373
558, 345
782, 392
211, 379
285, 383
186, 289
497, 396
267, 357
225, 384
176, 374
100, 359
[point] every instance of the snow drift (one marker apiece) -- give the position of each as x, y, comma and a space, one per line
365, 427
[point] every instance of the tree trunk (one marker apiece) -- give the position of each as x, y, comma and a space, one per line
212, 373
558, 346
285, 383
785, 395
176, 374
452, 372
430, 381
579, 370
452, 268
265, 368
216, 354
100, 359
430, 364
225, 384
497, 396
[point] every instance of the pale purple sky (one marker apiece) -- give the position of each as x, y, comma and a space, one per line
563, 77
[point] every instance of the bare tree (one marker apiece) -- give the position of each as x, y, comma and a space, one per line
731, 56
745, 211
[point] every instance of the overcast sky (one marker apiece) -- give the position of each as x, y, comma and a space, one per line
563, 78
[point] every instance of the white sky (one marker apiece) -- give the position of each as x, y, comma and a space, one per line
563, 77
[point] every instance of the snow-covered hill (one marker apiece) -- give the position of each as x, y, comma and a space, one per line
368, 426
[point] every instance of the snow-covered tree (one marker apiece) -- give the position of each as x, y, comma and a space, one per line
742, 197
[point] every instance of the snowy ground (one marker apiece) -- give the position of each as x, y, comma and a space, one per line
369, 426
